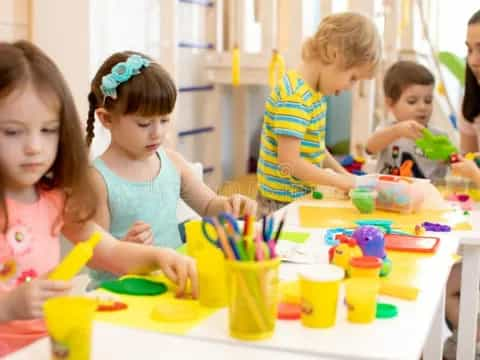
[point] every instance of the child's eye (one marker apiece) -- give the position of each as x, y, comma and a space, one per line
428, 101
11, 132
144, 125
164, 121
412, 101
52, 130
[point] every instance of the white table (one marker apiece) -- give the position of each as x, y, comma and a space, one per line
417, 328
467, 325
120, 343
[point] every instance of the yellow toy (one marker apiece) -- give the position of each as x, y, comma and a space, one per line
401, 291
341, 254
276, 70
359, 159
69, 324
235, 66
76, 259
470, 156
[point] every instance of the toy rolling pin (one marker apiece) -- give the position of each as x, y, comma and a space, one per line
76, 259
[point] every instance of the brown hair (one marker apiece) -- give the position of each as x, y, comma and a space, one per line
354, 36
471, 100
401, 75
151, 92
23, 63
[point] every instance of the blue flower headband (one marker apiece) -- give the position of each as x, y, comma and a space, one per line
121, 73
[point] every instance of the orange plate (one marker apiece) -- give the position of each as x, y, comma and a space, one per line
423, 244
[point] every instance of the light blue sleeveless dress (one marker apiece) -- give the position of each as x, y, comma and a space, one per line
153, 202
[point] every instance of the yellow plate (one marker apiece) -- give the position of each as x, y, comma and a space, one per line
176, 311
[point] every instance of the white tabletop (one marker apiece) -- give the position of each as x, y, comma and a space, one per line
120, 343
401, 338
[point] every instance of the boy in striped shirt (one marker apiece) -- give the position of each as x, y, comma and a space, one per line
346, 48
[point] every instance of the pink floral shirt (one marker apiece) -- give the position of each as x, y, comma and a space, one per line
29, 248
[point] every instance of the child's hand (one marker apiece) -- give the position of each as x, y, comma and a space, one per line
238, 204
26, 301
465, 168
179, 268
345, 182
410, 129
140, 232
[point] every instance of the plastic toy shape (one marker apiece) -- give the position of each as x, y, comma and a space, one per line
371, 240
364, 200
342, 253
406, 168
435, 227
385, 225
436, 147
473, 157
76, 259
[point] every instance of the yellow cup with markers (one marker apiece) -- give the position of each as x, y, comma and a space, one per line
319, 288
252, 298
361, 299
212, 277
69, 325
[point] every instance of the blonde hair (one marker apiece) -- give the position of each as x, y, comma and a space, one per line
353, 35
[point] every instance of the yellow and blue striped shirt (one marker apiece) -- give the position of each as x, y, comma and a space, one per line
292, 109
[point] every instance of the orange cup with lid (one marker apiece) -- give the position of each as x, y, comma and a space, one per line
365, 266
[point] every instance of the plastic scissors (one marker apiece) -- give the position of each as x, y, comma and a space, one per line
216, 234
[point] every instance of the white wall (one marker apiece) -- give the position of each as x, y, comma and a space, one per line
60, 28
13, 20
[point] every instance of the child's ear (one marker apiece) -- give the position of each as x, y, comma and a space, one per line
104, 116
389, 102
332, 54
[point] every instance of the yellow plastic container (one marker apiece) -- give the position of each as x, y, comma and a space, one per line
365, 266
212, 277
195, 239
319, 288
361, 299
69, 324
252, 298
76, 259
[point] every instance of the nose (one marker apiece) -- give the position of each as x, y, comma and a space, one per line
424, 105
156, 130
33, 144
